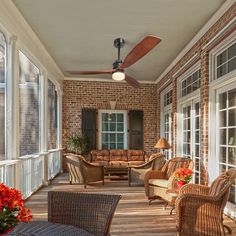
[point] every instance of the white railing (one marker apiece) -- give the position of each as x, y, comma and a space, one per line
29, 173
7, 172
54, 163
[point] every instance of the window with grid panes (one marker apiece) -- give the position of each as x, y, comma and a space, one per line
168, 98
227, 134
226, 61
113, 130
191, 83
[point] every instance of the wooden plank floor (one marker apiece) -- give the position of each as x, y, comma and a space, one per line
133, 215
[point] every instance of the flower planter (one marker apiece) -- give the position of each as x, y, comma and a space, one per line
181, 183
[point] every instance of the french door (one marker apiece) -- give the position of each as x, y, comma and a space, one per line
226, 133
191, 135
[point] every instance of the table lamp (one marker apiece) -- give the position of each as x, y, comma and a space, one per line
162, 144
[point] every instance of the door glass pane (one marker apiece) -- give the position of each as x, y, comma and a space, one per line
223, 100
232, 65
232, 155
232, 117
223, 136
223, 119
232, 136
222, 155
2, 94
29, 106
232, 98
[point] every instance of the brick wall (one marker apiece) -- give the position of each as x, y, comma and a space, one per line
81, 94
203, 56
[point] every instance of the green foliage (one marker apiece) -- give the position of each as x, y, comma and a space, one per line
78, 143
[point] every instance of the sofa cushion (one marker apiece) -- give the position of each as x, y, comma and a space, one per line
159, 182
136, 155
135, 163
100, 155
218, 185
118, 155
119, 163
101, 163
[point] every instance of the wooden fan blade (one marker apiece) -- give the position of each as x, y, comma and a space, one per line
131, 81
90, 72
140, 50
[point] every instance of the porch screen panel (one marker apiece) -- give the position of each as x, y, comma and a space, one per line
52, 116
29, 106
227, 134
2, 94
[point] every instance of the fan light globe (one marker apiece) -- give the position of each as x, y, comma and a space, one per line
118, 76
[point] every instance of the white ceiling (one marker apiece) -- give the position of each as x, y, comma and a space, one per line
79, 34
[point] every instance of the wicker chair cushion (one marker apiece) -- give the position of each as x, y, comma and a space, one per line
100, 155
136, 155
118, 155
217, 185
158, 182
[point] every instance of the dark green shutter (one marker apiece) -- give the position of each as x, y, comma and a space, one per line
89, 127
135, 129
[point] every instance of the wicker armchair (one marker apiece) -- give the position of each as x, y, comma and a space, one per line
157, 182
199, 209
88, 211
83, 172
137, 173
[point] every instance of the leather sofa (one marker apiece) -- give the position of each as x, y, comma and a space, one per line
119, 158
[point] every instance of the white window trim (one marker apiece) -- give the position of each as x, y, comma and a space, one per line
216, 86
226, 43
165, 109
180, 79
100, 126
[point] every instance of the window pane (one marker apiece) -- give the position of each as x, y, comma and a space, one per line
221, 58
232, 98
120, 127
104, 117
223, 136
2, 94
223, 119
232, 117
29, 106
222, 155
104, 126
232, 65
120, 138
112, 126
232, 136
112, 138
52, 116
223, 100
232, 155
120, 118
232, 51
104, 138
221, 71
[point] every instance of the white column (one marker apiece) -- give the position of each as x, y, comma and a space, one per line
44, 123
12, 107
59, 122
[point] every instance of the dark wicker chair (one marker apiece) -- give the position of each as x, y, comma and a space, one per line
89, 211
199, 209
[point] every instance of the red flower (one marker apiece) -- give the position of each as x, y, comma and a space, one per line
12, 208
183, 174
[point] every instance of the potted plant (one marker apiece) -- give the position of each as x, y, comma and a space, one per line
77, 143
183, 176
12, 209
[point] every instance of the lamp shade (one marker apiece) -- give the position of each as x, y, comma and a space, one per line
162, 143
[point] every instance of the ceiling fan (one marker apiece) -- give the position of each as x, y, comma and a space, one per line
119, 66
